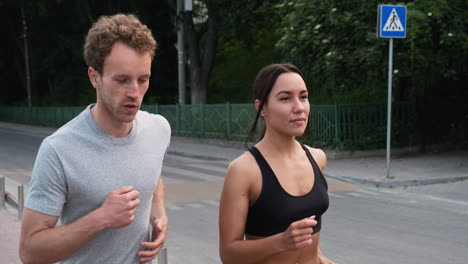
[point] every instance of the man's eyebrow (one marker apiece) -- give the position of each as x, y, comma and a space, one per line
123, 75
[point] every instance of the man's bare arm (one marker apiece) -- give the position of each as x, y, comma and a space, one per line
42, 242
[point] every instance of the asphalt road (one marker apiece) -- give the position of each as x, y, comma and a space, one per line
424, 224
361, 226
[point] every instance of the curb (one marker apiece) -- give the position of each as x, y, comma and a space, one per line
395, 184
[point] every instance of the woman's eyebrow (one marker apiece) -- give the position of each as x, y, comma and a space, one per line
289, 92
281, 92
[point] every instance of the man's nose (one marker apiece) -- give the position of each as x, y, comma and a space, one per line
132, 90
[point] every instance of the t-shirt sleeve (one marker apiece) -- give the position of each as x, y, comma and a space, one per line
48, 188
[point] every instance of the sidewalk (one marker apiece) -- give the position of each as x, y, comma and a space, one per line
9, 237
419, 169
405, 170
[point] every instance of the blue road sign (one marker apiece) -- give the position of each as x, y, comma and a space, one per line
392, 21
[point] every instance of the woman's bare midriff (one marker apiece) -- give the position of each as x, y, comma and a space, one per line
305, 255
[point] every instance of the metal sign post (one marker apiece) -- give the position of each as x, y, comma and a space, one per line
391, 22
389, 103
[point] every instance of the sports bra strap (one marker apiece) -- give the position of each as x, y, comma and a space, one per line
262, 163
314, 165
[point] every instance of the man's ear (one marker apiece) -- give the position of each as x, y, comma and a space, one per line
94, 77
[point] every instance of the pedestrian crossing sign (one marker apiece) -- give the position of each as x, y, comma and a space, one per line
391, 21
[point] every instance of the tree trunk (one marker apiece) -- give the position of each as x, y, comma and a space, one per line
200, 68
193, 42
209, 54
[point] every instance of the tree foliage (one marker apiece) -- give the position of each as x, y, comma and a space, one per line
335, 43
56, 32
435, 70
247, 43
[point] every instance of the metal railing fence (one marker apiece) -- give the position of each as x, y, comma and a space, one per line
341, 126
7, 198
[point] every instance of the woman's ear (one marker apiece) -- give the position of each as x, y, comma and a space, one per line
257, 106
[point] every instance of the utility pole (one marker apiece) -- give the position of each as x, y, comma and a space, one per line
26, 58
181, 49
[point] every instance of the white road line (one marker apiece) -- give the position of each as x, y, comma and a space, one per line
336, 195
190, 174
355, 194
421, 196
217, 169
210, 202
363, 191
173, 207
442, 199
387, 191
194, 205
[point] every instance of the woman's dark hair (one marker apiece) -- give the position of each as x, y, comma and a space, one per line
264, 82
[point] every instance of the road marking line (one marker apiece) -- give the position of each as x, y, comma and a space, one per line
336, 195
211, 202
173, 207
363, 191
190, 174
354, 194
194, 205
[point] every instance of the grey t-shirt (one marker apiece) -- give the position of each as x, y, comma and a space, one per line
79, 165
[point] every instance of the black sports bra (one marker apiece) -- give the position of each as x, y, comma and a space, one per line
275, 209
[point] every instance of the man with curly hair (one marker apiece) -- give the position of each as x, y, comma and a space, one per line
100, 173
